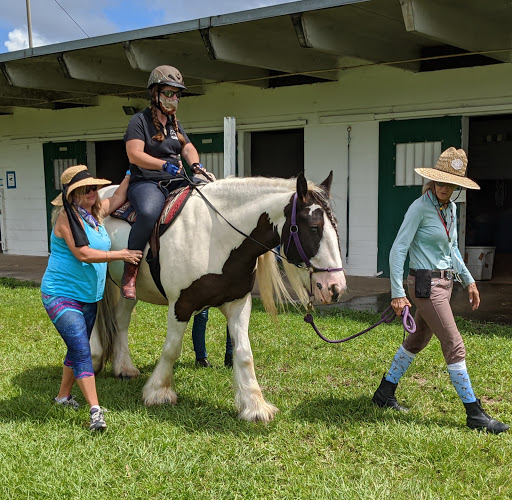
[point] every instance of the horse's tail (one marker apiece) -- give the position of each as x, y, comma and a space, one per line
106, 320
271, 285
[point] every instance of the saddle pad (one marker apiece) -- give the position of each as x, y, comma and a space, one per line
172, 206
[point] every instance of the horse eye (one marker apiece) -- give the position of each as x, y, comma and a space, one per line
314, 229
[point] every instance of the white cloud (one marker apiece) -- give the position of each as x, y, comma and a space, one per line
18, 40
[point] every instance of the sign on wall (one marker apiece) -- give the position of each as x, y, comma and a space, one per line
11, 179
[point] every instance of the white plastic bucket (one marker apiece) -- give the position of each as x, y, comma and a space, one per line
479, 261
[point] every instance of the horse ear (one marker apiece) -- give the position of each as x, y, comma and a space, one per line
302, 186
326, 185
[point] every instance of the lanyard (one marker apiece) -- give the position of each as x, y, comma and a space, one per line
447, 229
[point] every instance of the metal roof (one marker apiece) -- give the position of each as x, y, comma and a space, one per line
289, 44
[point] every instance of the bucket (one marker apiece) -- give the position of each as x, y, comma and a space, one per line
479, 261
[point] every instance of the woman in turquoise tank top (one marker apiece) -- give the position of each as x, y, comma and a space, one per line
75, 277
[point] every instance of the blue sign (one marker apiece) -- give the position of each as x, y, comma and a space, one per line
11, 179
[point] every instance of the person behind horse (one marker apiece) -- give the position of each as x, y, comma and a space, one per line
74, 280
155, 140
199, 342
429, 234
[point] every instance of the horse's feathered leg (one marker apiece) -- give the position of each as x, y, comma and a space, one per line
159, 389
248, 397
122, 364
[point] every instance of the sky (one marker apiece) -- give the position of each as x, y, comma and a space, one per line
51, 24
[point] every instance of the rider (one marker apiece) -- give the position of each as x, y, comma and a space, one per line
154, 142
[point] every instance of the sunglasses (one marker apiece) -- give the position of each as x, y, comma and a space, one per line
86, 189
172, 93
445, 184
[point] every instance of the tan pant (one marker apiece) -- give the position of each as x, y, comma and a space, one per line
434, 316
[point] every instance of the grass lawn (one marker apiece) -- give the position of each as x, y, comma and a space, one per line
327, 441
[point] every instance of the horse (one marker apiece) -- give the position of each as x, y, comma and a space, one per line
210, 257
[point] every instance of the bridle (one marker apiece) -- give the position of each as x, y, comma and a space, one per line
294, 235
386, 317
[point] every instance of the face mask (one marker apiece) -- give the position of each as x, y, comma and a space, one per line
168, 105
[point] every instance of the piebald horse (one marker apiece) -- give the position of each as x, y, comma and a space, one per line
210, 257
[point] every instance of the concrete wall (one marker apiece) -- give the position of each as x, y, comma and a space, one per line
361, 98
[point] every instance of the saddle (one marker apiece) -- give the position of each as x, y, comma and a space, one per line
174, 203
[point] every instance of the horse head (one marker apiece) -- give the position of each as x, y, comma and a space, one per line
309, 239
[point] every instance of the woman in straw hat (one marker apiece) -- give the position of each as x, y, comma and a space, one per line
75, 277
429, 234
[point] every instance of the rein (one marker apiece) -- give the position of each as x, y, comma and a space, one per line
386, 317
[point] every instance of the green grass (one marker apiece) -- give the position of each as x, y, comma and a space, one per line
327, 441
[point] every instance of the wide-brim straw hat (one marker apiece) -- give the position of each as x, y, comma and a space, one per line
450, 168
75, 177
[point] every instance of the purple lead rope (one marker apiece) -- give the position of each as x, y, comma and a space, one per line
386, 317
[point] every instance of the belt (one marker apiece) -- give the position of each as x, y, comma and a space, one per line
436, 273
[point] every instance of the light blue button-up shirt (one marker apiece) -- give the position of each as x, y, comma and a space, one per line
423, 235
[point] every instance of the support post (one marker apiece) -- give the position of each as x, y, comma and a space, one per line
229, 146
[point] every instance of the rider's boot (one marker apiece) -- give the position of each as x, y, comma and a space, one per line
128, 281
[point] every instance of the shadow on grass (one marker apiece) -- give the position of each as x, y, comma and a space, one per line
16, 283
359, 410
38, 386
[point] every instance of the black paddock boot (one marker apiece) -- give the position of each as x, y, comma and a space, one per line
228, 360
385, 396
478, 419
203, 363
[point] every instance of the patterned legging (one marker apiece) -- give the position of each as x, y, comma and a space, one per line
74, 321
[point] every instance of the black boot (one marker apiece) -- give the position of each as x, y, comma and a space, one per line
385, 396
203, 363
228, 360
478, 419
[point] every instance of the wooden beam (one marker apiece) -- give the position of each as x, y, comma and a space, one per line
353, 32
187, 52
456, 24
279, 53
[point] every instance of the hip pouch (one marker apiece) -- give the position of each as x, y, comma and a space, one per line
423, 283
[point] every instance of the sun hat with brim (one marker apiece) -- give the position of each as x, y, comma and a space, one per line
450, 168
75, 177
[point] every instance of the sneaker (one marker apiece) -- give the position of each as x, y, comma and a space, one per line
70, 401
97, 421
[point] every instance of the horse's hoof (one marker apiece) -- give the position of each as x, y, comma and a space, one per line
265, 413
159, 397
127, 374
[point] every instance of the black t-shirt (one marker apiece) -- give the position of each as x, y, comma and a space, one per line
141, 127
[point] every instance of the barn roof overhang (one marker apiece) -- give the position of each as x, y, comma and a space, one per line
289, 44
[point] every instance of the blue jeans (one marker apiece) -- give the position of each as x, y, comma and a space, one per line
148, 201
198, 336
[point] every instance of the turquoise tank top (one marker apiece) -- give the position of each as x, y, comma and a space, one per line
66, 276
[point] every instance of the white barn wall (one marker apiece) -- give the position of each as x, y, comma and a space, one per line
25, 206
362, 97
